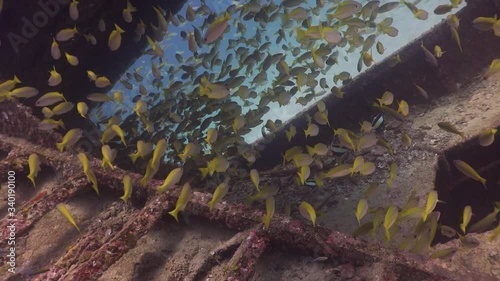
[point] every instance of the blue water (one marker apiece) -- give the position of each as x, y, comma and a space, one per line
409, 28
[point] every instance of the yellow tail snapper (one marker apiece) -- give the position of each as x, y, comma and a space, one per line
55, 78
308, 212
127, 12
219, 193
173, 178
487, 137
120, 133
127, 188
65, 212
345, 10
254, 177
270, 207
73, 60
86, 170
34, 164
303, 174
143, 149
108, 156
390, 218
102, 82
211, 136
184, 198
9, 84
66, 34
54, 50
70, 139
162, 22
23, 92
217, 28
73, 10
467, 170
115, 38
361, 210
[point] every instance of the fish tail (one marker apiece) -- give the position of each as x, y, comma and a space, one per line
60, 146
266, 220
183, 157
133, 157
211, 205
160, 188
124, 198
94, 186
174, 214
483, 181
16, 80
32, 178
144, 180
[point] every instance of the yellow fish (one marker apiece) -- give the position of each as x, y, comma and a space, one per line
172, 179
69, 139
120, 133
115, 38
361, 210
182, 202
219, 164
127, 12
65, 212
303, 174
254, 177
392, 174
429, 57
108, 156
238, 123
466, 218
66, 34
190, 150
102, 82
143, 149
34, 164
158, 153
9, 84
432, 200
270, 207
82, 108
487, 137
217, 28
312, 130
55, 78
438, 52
386, 99
390, 218
71, 59
403, 108
467, 170
345, 10
73, 10
211, 136
162, 22
308, 212
23, 92
127, 187
54, 50
86, 170
219, 193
